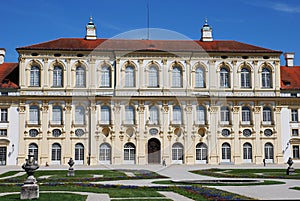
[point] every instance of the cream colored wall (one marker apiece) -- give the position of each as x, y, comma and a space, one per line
141, 97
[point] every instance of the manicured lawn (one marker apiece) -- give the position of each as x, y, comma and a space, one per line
82, 175
48, 197
265, 182
248, 173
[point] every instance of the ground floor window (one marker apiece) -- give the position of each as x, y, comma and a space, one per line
56, 153
79, 153
129, 153
33, 149
247, 153
3, 151
201, 153
269, 153
177, 153
105, 153
226, 152
296, 151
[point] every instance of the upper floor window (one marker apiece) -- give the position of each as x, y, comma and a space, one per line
129, 115
225, 115
266, 78
34, 114
129, 76
224, 78
177, 116
105, 114
35, 76
267, 114
199, 78
200, 115
56, 114
245, 78
295, 132
3, 132
153, 115
79, 115
3, 115
294, 115
176, 76
80, 76
153, 77
246, 114
57, 76
105, 76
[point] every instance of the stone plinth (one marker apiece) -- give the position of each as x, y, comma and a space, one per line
71, 172
290, 171
30, 191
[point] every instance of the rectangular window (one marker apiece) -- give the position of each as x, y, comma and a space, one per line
296, 151
3, 132
105, 115
34, 115
294, 115
3, 115
295, 132
57, 115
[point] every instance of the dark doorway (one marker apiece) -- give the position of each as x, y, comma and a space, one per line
154, 151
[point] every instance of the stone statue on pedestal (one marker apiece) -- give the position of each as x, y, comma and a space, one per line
30, 189
71, 171
290, 170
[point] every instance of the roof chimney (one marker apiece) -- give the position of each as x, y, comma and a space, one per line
289, 59
206, 32
91, 30
2, 55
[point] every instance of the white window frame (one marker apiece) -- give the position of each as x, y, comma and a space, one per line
105, 76
245, 78
177, 77
57, 76
199, 77
153, 77
35, 76
129, 76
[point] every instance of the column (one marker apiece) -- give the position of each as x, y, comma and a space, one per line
141, 139
92, 131
44, 78
213, 145
44, 146
258, 146
166, 143
188, 142
67, 124
117, 146
68, 79
22, 123
237, 152
278, 155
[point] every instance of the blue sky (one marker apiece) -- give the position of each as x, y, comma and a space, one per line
273, 24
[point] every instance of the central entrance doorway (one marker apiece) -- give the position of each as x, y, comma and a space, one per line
154, 151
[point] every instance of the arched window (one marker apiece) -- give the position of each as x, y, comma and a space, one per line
200, 115
177, 153
224, 78
225, 115
80, 76
199, 78
129, 153
153, 115
57, 76
79, 153
34, 114
153, 77
105, 153
129, 76
201, 152
267, 115
177, 77
105, 114
35, 76
129, 115
247, 155
56, 153
226, 152
57, 115
33, 149
266, 78
269, 153
79, 115
246, 115
245, 78
105, 76
177, 116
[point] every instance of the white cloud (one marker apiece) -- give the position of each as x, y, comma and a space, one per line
285, 7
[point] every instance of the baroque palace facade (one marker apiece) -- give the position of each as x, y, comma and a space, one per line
123, 101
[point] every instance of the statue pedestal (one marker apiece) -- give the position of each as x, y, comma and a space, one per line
71, 172
30, 190
290, 171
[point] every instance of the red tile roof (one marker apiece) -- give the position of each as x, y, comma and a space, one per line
6, 77
81, 44
290, 77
